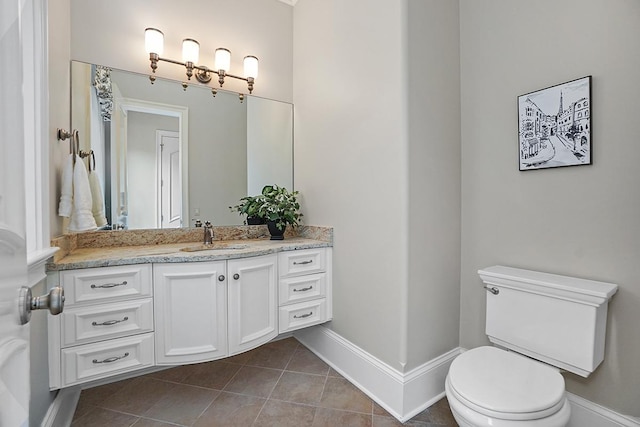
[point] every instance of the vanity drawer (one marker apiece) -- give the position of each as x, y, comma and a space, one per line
86, 324
301, 315
302, 288
106, 283
297, 263
93, 361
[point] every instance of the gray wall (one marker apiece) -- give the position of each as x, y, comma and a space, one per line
377, 157
351, 158
434, 179
580, 221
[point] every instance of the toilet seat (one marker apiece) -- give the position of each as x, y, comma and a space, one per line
504, 385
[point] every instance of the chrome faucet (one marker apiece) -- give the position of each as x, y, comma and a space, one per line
208, 233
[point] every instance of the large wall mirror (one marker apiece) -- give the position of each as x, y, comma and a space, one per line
168, 156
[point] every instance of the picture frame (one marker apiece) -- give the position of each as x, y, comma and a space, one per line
554, 126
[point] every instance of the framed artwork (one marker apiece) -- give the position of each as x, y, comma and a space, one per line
554, 126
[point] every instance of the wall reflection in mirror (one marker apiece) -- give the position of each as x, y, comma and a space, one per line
167, 156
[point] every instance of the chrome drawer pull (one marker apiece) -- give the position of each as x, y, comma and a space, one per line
303, 289
109, 322
111, 359
302, 262
302, 316
109, 285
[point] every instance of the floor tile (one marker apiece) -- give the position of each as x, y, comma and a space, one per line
438, 413
274, 355
240, 359
97, 395
176, 375
305, 391
230, 409
379, 410
333, 418
138, 396
82, 408
254, 381
215, 375
304, 360
183, 405
299, 388
144, 422
341, 394
285, 414
99, 417
334, 373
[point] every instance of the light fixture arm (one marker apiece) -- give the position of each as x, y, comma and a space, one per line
203, 73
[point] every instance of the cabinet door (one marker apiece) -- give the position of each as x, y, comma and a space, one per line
190, 306
253, 305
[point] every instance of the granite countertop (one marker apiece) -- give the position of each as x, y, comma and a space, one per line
133, 251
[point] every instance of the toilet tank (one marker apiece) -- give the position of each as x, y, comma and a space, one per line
559, 320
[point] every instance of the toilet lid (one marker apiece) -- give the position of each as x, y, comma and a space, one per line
495, 381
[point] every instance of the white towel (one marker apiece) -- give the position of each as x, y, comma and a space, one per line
66, 198
97, 205
81, 215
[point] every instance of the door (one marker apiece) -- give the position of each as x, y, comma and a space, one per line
14, 337
253, 307
170, 197
190, 305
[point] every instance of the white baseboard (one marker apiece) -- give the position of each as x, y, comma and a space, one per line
60, 413
586, 413
403, 395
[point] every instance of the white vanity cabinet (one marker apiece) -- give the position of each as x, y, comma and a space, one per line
106, 327
191, 311
124, 318
203, 306
304, 288
253, 305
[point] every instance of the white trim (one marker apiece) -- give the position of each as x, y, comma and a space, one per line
36, 262
587, 413
37, 144
403, 395
60, 413
289, 2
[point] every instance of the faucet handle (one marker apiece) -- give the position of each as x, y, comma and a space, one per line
198, 223
207, 224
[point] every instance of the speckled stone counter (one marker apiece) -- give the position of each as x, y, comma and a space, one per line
109, 248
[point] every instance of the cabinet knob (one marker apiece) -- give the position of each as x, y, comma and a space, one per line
236, 276
221, 278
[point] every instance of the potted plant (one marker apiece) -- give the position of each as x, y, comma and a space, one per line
280, 208
249, 206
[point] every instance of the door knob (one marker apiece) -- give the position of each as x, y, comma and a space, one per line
53, 301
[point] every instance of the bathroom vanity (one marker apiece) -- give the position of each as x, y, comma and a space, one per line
168, 302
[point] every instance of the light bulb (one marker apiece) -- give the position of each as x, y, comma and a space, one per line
250, 66
153, 41
190, 51
222, 59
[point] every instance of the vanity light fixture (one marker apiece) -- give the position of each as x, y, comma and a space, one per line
154, 45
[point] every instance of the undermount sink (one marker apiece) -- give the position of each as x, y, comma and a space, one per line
213, 247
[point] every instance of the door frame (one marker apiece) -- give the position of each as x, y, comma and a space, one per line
182, 113
160, 134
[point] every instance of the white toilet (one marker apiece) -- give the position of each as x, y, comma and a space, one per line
543, 323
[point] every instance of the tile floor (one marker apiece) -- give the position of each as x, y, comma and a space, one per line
279, 384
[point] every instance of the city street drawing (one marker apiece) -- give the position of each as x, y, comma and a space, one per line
554, 126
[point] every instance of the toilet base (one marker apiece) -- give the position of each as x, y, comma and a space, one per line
466, 417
